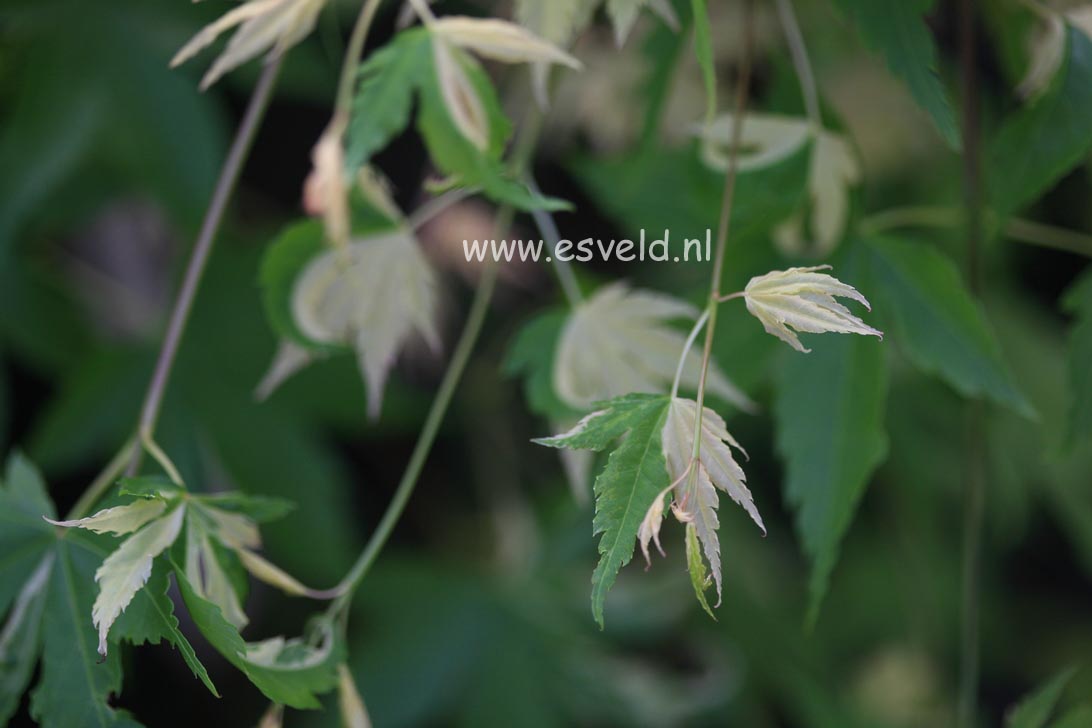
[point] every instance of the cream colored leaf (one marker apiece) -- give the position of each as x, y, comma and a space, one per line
371, 296
768, 139
289, 359
325, 192
1046, 46
765, 140
234, 530
499, 40
696, 499
209, 580
264, 25
291, 654
623, 15
802, 299
120, 519
353, 712
127, 569
556, 21
460, 97
618, 341
271, 574
649, 530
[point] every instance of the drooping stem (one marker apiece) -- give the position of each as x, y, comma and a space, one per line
195, 269
479, 307
698, 325
455, 368
547, 228
798, 50
1029, 232
352, 57
974, 486
724, 225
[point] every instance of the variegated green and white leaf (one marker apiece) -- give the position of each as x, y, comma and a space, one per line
768, 139
207, 575
127, 569
372, 296
803, 299
1047, 47
618, 341
460, 97
696, 482
119, 520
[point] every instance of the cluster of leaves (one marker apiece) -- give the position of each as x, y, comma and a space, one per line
55, 616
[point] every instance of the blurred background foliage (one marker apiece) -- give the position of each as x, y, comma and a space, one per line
477, 612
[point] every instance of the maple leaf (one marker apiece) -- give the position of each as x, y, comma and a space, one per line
768, 139
633, 479
803, 299
618, 341
697, 481
274, 25
371, 295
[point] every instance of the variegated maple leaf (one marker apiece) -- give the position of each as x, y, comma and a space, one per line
697, 481
618, 342
803, 299
273, 25
497, 40
371, 295
153, 523
1046, 46
766, 140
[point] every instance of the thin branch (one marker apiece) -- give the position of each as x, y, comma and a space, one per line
798, 50
459, 359
975, 485
225, 186
723, 228
355, 47
547, 228
1020, 230
686, 350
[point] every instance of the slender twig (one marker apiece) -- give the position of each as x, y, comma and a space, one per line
686, 350
1029, 232
183, 305
456, 366
459, 359
547, 228
798, 50
435, 206
975, 486
724, 226
355, 47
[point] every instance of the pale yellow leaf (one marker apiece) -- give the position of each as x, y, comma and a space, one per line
264, 25
120, 519
695, 497
353, 712
271, 574
371, 296
500, 40
460, 97
209, 580
127, 569
618, 342
802, 299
